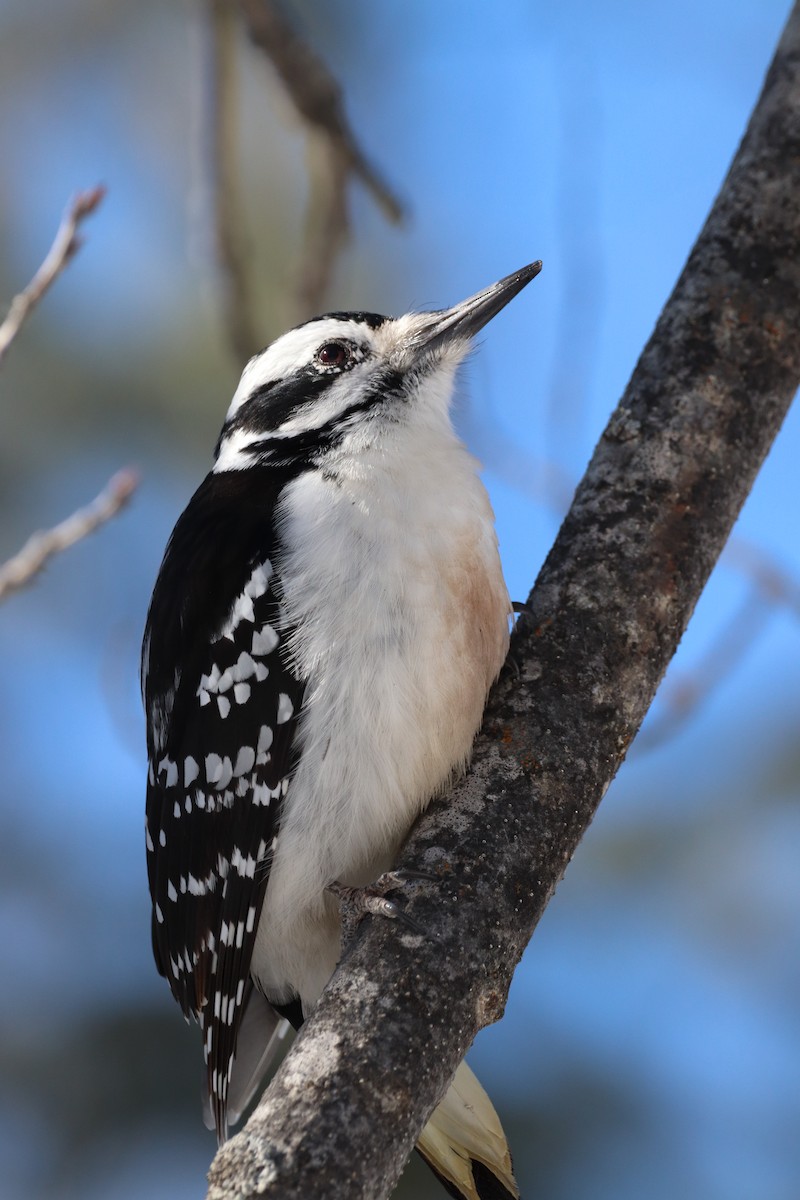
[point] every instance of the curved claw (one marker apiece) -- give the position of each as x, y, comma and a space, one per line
396, 913
357, 902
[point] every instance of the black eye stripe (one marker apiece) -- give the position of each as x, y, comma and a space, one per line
298, 447
277, 401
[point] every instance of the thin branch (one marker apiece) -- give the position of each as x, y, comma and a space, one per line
775, 583
327, 226
681, 697
771, 587
66, 244
649, 520
21, 569
315, 94
317, 98
231, 247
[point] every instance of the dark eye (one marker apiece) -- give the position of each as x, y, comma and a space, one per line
333, 354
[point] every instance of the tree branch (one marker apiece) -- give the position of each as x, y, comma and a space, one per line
315, 94
229, 236
66, 244
649, 520
317, 97
40, 548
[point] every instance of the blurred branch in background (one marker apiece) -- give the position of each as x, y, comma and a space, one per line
229, 227
334, 153
66, 244
316, 95
774, 582
770, 587
21, 569
578, 226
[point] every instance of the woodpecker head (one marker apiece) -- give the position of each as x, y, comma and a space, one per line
340, 372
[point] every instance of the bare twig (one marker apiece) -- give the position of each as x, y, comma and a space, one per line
681, 697
317, 97
315, 94
229, 225
775, 583
648, 521
327, 226
771, 587
66, 244
19, 570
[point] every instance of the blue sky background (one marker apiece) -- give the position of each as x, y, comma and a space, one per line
651, 1040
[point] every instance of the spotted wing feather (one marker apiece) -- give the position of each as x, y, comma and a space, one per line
222, 706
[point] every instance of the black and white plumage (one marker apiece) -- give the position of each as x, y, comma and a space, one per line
222, 705
328, 618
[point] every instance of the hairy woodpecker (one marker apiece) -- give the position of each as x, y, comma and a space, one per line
328, 619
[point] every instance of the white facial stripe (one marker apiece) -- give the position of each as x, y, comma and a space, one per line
292, 351
341, 393
236, 448
233, 454
391, 346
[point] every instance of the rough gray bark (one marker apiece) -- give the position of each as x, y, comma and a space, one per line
649, 519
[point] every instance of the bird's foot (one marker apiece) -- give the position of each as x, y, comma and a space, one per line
355, 903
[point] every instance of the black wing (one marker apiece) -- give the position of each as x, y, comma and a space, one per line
222, 705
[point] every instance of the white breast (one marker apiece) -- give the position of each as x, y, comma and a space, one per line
391, 581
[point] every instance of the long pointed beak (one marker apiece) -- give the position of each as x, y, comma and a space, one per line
464, 320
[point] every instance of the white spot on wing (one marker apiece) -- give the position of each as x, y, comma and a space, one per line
191, 770
241, 693
245, 667
242, 609
245, 867
265, 640
170, 770
245, 760
285, 709
261, 795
